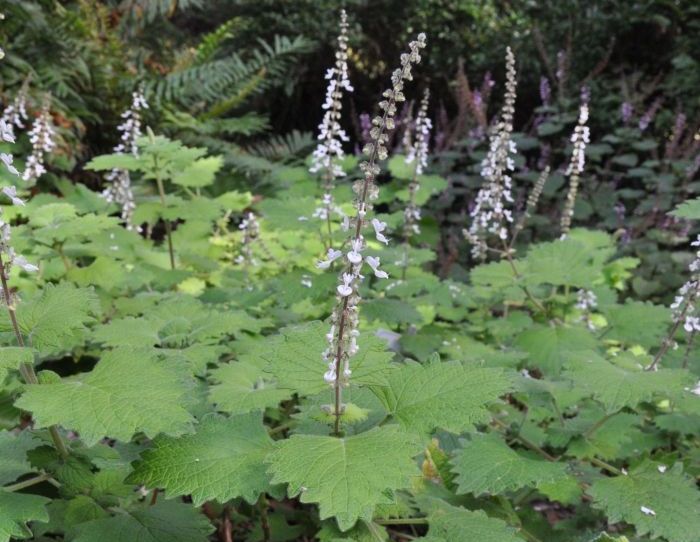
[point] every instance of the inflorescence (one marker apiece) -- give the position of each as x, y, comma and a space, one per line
343, 334
329, 151
580, 138
119, 189
41, 137
418, 153
491, 214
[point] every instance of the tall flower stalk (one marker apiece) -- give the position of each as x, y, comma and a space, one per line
119, 189
41, 137
329, 151
9, 258
344, 331
580, 138
418, 155
491, 214
685, 310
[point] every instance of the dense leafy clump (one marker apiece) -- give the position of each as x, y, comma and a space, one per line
262, 343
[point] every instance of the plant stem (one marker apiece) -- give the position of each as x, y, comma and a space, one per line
607, 466
402, 521
27, 369
28, 483
668, 340
264, 519
598, 424
507, 252
168, 229
534, 447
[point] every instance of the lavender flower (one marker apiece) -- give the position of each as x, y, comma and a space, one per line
41, 137
344, 331
648, 116
490, 213
579, 138
329, 151
119, 189
626, 111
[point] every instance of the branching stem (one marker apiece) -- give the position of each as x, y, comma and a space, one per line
26, 369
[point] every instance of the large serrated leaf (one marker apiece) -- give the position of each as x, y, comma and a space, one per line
222, 460
130, 390
442, 395
618, 385
13, 455
294, 358
487, 465
661, 504
349, 476
16, 509
461, 525
165, 522
50, 320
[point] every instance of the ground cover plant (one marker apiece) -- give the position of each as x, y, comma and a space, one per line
448, 326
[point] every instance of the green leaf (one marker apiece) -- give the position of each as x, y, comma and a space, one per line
54, 317
294, 357
637, 322
660, 504
129, 391
400, 169
16, 509
114, 161
442, 395
13, 455
222, 460
392, 312
166, 521
199, 173
349, 476
550, 347
560, 263
487, 465
625, 383
462, 525
688, 209
11, 357
244, 387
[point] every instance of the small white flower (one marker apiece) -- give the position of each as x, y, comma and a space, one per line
6, 132
662, 468
345, 289
11, 192
379, 227
331, 256
647, 511
7, 160
24, 264
374, 264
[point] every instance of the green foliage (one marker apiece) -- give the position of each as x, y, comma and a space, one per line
222, 460
16, 509
441, 395
164, 522
130, 390
658, 503
348, 477
544, 394
505, 470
